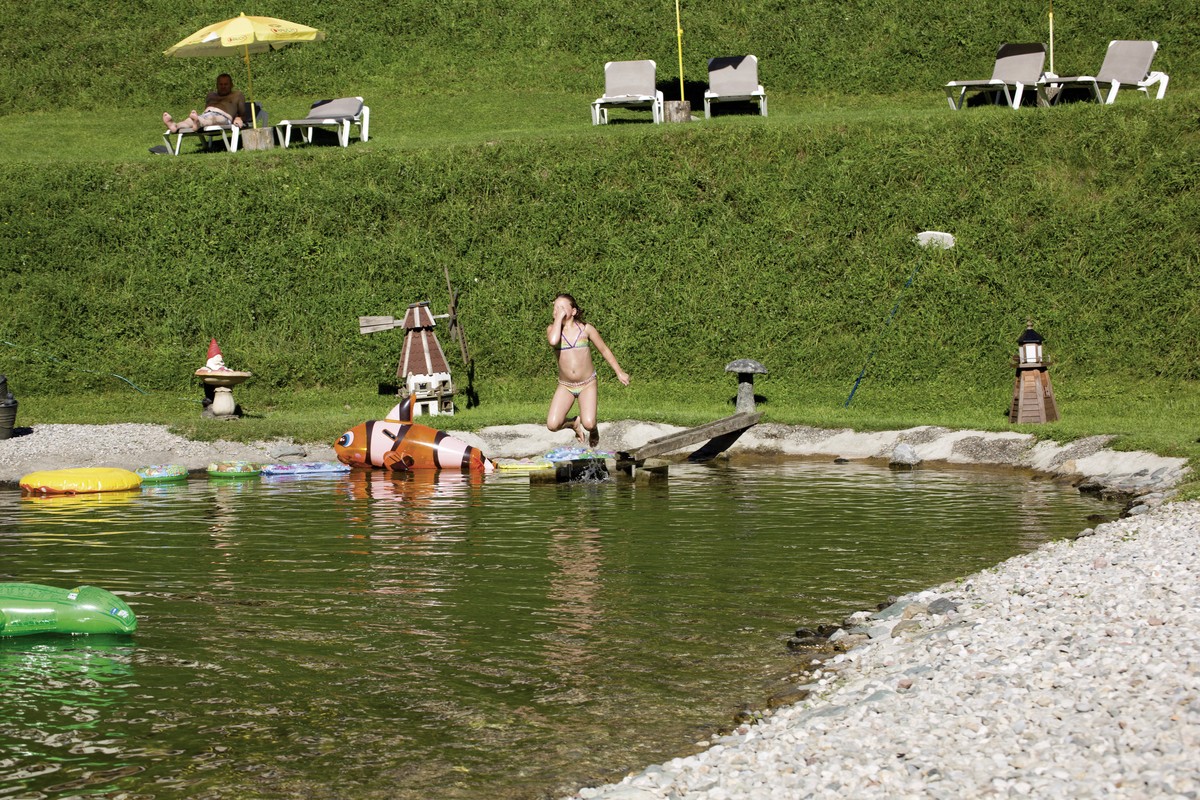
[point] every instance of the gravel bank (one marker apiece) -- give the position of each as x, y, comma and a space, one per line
1069, 672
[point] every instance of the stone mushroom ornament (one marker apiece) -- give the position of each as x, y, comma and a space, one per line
746, 369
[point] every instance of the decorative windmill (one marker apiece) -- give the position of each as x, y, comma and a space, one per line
423, 372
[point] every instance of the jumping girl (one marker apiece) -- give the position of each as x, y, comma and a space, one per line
572, 339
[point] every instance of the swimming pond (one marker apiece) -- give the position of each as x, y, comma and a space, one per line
458, 636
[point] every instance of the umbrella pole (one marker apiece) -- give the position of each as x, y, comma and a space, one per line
250, 87
679, 37
1052, 72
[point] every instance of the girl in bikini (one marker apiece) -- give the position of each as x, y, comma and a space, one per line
572, 338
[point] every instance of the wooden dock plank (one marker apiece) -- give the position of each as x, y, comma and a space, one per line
692, 436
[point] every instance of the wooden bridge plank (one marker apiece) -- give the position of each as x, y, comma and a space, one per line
691, 436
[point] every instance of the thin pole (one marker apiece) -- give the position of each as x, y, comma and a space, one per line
879, 336
679, 36
1052, 38
250, 86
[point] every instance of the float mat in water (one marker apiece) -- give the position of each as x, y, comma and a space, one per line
80, 480
27, 608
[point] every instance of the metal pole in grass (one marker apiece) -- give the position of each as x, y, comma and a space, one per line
679, 37
943, 241
1052, 37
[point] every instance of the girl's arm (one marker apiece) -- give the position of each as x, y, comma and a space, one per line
594, 336
554, 331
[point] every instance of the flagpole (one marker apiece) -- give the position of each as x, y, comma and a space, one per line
679, 36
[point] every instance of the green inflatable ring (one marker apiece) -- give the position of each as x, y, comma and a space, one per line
234, 469
162, 473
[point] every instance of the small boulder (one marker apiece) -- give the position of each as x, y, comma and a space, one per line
904, 457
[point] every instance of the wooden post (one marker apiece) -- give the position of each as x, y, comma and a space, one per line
677, 111
257, 139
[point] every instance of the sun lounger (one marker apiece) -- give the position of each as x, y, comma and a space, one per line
1126, 65
628, 84
734, 78
228, 134
340, 114
1017, 66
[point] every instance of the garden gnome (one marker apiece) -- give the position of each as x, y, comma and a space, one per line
216, 362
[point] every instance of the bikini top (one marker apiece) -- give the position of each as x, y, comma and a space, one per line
582, 331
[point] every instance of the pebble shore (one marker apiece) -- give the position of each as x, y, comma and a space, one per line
1069, 672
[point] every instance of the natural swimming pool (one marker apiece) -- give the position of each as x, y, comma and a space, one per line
452, 636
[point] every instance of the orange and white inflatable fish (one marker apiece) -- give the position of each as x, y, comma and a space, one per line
397, 443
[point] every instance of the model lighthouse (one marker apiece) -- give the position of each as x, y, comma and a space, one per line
1033, 396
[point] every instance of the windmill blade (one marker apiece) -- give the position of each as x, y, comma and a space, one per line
456, 329
457, 332
376, 324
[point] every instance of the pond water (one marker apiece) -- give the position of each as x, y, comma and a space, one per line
453, 636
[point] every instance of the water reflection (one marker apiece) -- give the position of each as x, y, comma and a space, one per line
74, 504
60, 698
575, 553
414, 506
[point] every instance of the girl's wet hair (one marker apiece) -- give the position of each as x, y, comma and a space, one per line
574, 305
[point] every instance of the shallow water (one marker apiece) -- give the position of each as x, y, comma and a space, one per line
452, 636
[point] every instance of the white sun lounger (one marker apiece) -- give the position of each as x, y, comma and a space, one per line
1017, 66
340, 114
732, 78
628, 84
1126, 65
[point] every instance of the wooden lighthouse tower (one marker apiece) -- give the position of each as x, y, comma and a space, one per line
1033, 396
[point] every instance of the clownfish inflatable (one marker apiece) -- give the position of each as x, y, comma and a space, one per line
397, 443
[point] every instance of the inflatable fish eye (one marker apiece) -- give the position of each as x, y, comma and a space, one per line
346, 439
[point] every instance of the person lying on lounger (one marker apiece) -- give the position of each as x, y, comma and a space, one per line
222, 107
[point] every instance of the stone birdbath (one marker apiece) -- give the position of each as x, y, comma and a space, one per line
746, 369
222, 382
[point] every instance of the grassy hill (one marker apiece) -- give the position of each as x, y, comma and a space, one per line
90, 55
785, 239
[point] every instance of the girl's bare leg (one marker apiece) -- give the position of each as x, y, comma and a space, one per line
556, 417
588, 401
170, 123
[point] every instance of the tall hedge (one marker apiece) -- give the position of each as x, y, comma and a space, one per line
782, 240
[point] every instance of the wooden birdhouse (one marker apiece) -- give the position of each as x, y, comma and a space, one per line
1033, 396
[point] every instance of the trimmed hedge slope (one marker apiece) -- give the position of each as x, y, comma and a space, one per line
689, 246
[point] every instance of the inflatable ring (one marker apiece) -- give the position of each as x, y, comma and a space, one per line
162, 473
234, 469
27, 608
80, 480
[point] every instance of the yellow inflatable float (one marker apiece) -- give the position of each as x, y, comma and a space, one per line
80, 480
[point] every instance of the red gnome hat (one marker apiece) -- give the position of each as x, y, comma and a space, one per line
213, 349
